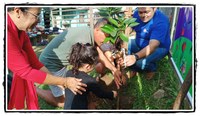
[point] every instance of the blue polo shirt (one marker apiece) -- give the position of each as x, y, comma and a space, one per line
157, 28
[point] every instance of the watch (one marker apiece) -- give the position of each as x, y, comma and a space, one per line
136, 56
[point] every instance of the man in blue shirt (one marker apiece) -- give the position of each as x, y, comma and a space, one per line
152, 41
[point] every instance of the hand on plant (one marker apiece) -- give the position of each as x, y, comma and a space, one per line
120, 61
128, 30
75, 85
114, 94
130, 60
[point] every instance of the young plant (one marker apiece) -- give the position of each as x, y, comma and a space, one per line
116, 28
118, 24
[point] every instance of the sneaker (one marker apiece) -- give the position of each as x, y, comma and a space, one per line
150, 75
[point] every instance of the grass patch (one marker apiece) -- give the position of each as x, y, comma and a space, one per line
43, 105
143, 89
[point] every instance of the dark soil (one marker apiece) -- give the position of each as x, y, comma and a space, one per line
123, 100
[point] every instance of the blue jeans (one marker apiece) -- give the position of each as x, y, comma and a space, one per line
148, 63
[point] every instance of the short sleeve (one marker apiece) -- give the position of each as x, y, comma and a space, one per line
159, 31
107, 47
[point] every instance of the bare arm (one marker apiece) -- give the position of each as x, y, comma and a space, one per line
108, 55
153, 44
105, 60
45, 70
73, 84
109, 65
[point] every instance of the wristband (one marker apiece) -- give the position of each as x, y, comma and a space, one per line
136, 57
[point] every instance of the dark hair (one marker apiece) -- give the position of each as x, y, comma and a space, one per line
82, 54
101, 22
21, 8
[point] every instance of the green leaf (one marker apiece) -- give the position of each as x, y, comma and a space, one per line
103, 14
132, 20
113, 21
107, 39
129, 21
123, 37
126, 21
109, 29
121, 19
112, 40
133, 24
106, 30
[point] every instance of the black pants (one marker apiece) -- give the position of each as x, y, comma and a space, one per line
9, 82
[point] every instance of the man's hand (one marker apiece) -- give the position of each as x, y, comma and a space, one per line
117, 78
75, 85
129, 61
116, 73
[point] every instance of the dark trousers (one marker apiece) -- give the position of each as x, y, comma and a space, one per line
9, 82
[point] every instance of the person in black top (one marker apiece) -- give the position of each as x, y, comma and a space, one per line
83, 58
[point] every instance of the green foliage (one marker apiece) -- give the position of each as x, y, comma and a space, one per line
110, 11
118, 24
116, 28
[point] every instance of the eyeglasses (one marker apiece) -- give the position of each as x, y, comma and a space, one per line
36, 16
